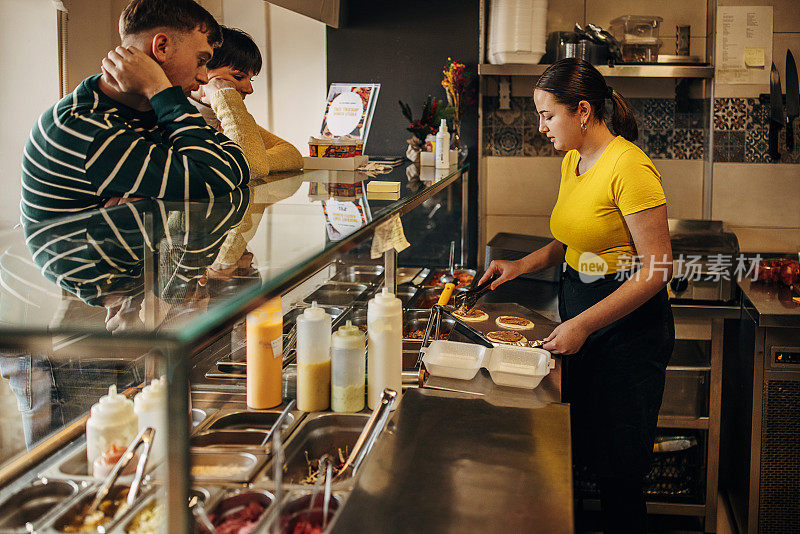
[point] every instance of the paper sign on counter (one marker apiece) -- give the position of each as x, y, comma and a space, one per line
389, 235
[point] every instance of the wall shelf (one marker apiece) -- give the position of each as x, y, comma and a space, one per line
618, 71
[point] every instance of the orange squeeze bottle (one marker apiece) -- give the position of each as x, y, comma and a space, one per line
265, 356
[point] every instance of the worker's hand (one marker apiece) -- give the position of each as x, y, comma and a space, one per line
567, 338
130, 70
222, 81
505, 269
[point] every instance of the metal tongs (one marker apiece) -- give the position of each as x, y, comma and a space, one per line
376, 423
145, 437
278, 423
465, 301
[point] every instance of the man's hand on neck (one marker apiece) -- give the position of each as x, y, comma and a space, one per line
132, 77
108, 85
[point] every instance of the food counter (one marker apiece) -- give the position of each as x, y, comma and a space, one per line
122, 295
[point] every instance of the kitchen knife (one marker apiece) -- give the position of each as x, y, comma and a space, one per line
776, 117
792, 99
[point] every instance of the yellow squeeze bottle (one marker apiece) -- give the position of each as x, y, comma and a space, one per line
265, 356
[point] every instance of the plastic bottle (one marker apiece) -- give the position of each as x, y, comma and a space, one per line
112, 422
150, 406
265, 356
443, 147
313, 360
385, 350
348, 369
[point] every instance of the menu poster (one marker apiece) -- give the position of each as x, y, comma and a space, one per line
343, 218
744, 44
349, 110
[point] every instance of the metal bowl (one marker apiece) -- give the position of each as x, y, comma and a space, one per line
432, 279
72, 513
250, 420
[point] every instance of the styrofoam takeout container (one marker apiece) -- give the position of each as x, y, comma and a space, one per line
508, 365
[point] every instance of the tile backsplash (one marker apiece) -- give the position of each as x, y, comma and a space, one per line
741, 133
668, 129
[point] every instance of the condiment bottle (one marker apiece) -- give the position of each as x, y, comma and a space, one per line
313, 360
442, 146
112, 422
150, 406
265, 356
385, 350
348, 369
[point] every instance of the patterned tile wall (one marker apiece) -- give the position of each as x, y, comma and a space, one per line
667, 130
741, 133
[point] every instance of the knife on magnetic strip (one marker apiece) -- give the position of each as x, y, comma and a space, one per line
776, 117
792, 99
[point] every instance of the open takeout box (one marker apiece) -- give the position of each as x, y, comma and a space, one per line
508, 365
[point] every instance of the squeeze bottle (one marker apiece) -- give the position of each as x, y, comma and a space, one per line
265, 356
385, 348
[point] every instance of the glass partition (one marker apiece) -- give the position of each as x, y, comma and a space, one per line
121, 296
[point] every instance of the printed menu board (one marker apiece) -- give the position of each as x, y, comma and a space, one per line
349, 110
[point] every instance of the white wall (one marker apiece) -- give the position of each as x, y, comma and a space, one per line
297, 84
28, 86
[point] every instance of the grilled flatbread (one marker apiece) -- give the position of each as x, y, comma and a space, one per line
506, 336
472, 316
512, 322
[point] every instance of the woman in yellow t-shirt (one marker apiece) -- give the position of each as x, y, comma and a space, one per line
610, 229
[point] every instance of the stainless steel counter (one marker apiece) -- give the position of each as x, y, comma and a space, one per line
452, 462
771, 304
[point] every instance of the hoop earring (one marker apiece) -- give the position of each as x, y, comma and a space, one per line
583, 127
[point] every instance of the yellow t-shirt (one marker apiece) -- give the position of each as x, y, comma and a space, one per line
589, 214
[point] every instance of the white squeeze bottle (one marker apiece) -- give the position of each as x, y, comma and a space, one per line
385, 350
313, 360
348, 369
442, 146
112, 422
150, 406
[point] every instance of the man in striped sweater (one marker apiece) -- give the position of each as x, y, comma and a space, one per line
130, 132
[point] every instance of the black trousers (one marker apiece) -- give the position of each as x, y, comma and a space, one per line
614, 385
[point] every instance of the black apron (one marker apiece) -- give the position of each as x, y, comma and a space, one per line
614, 384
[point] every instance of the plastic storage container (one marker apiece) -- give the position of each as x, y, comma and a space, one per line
313, 360
517, 31
385, 331
641, 50
522, 367
150, 406
348, 369
635, 26
112, 422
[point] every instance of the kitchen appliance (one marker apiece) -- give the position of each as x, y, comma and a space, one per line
776, 117
792, 99
760, 473
704, 261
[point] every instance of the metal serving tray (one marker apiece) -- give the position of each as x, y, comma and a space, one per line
123, 524
416, 319
359, 274
427, 296
438, 272
297, 504
252, 420
336, 294
35, 504
318, 434
59, 521
241, 466
232, 500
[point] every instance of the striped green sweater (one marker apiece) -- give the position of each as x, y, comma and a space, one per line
89, 148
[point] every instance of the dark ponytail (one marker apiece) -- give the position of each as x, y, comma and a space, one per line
571, 80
